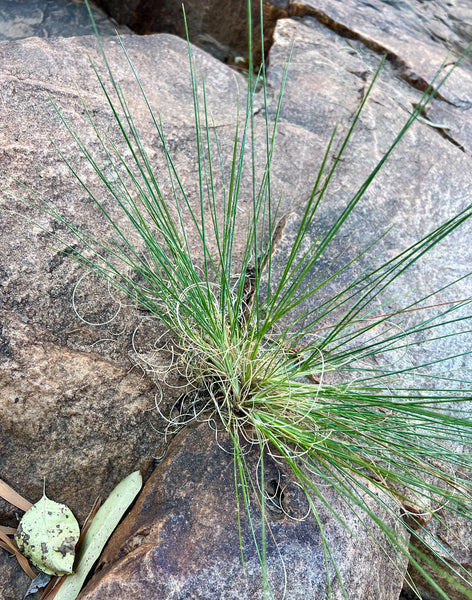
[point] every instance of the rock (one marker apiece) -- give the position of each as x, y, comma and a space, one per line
219, 27
76, 401
426, 181
455, 532
63, 377
181, 538
415, 191
13, 581
51, 18
408, 32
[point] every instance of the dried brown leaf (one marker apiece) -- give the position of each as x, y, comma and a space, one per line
9, 494
7, 530
52, 588
10, 546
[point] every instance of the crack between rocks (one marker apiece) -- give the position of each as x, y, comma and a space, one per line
406, 73
443, 133
404, 70
441, 130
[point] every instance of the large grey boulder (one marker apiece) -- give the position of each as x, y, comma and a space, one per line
426, 182
76, 401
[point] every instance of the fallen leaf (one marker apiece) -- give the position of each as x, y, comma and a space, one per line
10, 546
101, 528
9, 494
47, 535
39, 582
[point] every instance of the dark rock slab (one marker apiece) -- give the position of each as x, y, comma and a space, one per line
218, 26
181, 538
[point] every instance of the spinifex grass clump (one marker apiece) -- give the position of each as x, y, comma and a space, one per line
367, 431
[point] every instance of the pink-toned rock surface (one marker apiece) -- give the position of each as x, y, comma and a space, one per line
77, 403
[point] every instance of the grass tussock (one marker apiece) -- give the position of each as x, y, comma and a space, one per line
336, 403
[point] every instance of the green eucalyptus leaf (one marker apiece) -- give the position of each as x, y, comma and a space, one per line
101, 528
47, 535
